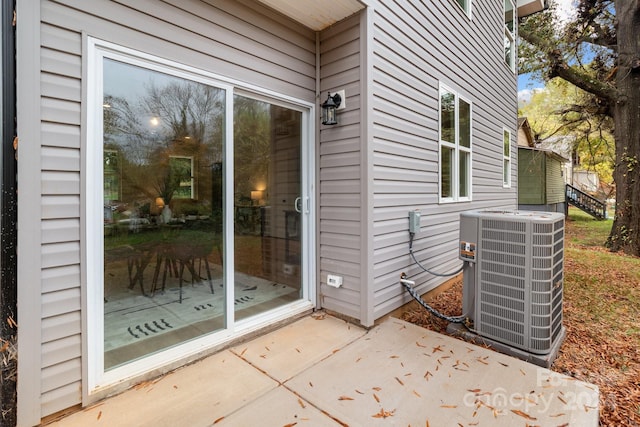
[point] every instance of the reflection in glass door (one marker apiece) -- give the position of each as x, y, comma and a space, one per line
162, 175
267, 207
183, 256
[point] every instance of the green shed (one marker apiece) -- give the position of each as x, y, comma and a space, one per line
541, 184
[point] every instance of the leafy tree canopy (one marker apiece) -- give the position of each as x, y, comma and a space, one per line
598, 51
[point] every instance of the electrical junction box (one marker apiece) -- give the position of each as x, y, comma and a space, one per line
334, 281
414, 222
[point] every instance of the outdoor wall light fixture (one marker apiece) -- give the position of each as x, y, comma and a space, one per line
329, 108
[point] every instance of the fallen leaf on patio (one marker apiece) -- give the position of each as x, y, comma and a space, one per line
301, 403
335, 351
268, 349
427, 375
557, 415
475, 390
523, 414
376, 398
383, 414
298, 350
289, 425
218, 420
449, 406
358, 359
99, 415
393, 357
310, 384
420, 345
437, 348
359, 392
399, 381
376, 388
562, 400
564, 425
523, 372
242, 352
175, 386
345, 398
416, 393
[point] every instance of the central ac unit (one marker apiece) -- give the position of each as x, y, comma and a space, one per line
513, 278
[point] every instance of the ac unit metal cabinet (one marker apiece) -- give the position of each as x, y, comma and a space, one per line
513, 277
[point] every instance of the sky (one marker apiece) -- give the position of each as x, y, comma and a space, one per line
525, 84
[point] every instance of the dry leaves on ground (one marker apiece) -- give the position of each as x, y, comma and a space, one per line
602, 318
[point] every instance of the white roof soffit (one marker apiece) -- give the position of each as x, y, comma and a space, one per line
316, 14
528, 7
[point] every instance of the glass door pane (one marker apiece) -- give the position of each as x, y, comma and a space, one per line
163, 178
267, 205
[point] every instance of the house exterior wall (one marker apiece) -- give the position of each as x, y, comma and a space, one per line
238, 39
341, 197
380, 162
417, 46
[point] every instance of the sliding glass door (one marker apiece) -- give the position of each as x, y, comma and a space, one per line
193, 242
267, 206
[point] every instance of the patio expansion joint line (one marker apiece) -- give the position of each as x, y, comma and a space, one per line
282, 384
302, 401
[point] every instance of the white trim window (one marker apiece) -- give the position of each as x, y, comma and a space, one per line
510, 34
506, 158
465, 5
455, 146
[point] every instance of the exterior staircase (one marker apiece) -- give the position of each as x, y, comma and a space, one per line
585, 202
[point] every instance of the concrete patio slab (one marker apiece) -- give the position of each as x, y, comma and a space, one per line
298, 346
321, 371
401, 374
195, 395
279, 407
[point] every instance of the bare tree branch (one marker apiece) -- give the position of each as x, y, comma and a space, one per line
559, 68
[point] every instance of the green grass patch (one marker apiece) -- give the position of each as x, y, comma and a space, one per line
586, 230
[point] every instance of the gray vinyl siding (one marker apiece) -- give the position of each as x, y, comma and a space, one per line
417, 46
237, 39
555, 181
340, 166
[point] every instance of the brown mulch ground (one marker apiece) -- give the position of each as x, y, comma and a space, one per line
602, 344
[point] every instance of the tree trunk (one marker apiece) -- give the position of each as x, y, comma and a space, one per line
625, 233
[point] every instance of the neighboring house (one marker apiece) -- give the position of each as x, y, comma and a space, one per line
587, 181
178, 190
541, 174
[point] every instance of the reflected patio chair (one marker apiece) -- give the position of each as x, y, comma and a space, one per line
182, 252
